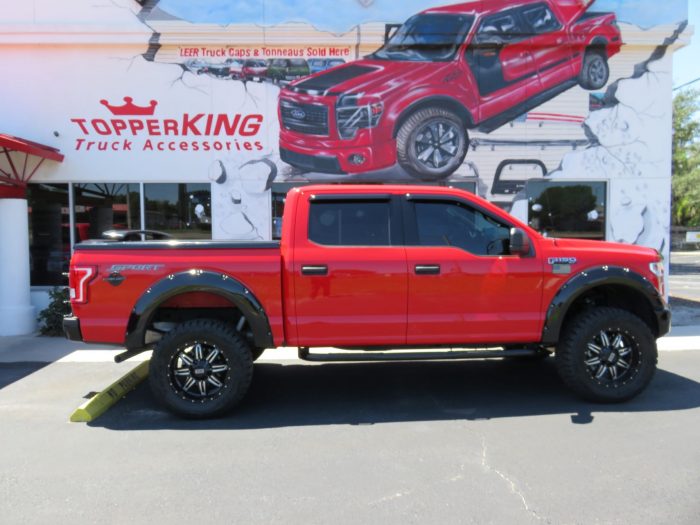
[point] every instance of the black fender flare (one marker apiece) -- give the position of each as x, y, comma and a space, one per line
592, 278
599, 42
197, 281
443, 101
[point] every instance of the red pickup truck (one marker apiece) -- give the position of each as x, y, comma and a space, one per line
373, 268
446, 70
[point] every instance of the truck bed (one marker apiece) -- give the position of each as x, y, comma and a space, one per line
125, 271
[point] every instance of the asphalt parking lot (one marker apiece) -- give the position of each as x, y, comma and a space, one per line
470, 442
684, 285
454, 442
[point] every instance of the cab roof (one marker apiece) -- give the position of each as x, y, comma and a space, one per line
486, 7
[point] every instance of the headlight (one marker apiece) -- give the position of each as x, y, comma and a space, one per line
657, 268
351, 116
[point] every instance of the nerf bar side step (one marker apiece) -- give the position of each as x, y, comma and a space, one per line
392, 355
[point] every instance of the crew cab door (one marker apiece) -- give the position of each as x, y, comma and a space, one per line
463, 286
501, 62
350, 272
549, 44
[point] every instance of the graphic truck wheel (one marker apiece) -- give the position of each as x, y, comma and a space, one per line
431, 144
594, 71
606, 355
201, 369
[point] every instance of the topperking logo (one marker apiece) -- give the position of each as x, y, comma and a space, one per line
135, 128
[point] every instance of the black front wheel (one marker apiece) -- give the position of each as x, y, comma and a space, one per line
201, 369
431, 144
607, 355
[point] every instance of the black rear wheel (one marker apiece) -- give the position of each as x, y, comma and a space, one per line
607, 355
201, 369
594, 70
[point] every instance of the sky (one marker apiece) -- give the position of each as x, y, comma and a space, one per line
341, 15
686, 62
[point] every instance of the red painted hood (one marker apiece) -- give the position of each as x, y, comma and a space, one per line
616, 252
375, 77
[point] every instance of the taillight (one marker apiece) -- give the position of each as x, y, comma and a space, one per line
78, 280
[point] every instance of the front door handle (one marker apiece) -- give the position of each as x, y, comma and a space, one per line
317, 269
427, 269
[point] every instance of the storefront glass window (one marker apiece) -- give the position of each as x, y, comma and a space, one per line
103, 207
49, 233
567, 209
181, 210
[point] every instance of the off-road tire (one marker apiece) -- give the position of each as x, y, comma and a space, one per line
595, 71
165, 378
573, 353
406, 143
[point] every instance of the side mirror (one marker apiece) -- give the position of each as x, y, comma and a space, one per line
519, 242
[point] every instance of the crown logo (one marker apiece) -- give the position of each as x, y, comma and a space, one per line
130, 108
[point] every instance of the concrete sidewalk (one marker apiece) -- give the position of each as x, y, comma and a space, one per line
34, 348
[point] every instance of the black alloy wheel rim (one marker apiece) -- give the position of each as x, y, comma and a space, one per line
612, 358
437, 144
199, 371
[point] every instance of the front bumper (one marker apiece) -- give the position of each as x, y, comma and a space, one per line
325, 157
71, 328
663, 320
306, 162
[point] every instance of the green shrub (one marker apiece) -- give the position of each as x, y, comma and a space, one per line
51, 317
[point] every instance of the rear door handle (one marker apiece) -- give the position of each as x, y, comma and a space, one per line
427, 269
318, 269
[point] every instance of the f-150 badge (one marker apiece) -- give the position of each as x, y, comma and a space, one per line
561, 264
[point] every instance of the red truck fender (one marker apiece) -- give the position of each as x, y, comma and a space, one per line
621, 286
425, 97
197, 281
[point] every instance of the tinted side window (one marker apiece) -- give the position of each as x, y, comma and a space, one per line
452, 224
505, 26
354, 223
540, 19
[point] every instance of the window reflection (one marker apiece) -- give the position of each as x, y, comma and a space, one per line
105, 206
567, 209
49, 233
181, 210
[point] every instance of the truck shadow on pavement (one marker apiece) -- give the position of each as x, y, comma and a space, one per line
369, 393
12, 372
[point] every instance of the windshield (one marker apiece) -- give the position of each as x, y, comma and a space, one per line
427, 38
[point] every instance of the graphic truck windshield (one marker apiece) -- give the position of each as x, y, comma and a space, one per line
427, 38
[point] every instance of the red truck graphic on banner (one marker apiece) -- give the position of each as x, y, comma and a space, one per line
475, 65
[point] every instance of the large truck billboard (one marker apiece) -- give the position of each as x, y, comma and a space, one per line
504, 97
445, 71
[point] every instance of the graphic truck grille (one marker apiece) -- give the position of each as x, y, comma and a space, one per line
310, 119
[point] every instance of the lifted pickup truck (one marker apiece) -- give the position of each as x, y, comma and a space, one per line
446, 70
375, 269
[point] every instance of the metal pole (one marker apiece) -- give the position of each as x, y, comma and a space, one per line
142, 207
71, 216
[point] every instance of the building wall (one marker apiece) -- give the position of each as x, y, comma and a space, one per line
67, 58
